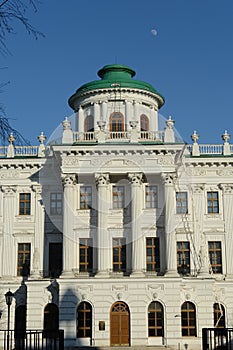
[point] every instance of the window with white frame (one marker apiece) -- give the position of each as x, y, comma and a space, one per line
151, 196
85, 197
212, 202
118, 197
181, 203
55, 203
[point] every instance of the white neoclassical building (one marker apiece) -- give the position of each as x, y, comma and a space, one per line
117, 231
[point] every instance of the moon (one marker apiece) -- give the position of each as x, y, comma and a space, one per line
154, 32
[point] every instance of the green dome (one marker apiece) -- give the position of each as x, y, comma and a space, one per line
112, 76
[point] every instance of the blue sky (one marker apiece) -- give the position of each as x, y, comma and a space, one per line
189, 61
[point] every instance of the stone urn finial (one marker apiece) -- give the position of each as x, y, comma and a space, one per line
170, 122
42, 138
11, 138
195, 136
226, 136
66, 124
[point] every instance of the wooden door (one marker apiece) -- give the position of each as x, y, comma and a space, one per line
119, 320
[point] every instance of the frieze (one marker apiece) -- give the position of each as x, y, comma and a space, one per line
9, 173
70, 161
165, 160
224, 172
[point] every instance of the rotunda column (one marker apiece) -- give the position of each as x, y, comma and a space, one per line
227, 190
136, 112
153, 119
104, 111
80, 120
96, 115
8, 260
128, 113
138, 247
38, 254
170, 235
103, 240
69, 244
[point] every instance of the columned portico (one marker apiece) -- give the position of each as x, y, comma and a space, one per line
170, 205
103, 243
69, 244
136, 180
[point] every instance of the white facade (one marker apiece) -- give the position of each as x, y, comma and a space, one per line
120, 224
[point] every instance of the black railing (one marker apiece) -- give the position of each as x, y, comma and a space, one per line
32, 340
217, 339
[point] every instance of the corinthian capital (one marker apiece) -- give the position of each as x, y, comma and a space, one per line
169, 178
102, 179
136, 178
69, 179
8, 190
226, 188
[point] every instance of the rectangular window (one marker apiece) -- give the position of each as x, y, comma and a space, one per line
24, 204
152, 254
24, 256
55, 203
181, 203
55, 259
85, 255
85, 197
212, 202
119, 255
215, 256
151, 197
118, 193
183, 257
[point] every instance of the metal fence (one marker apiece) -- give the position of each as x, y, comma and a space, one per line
32, 340
217, 339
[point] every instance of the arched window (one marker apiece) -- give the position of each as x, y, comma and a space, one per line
51, 317
84, 320
144, 123
219, 316
155, 319
116, 121
188, 319
89, 123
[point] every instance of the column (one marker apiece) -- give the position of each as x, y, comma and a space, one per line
170, 234
8, 258
96, 115
38, 254
128, 113
153, 119
104, 111
200, 249
80, 120
227, 190
69, 244
136, 112
138, 248
103, 239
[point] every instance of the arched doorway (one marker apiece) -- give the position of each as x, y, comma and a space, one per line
20, 326
120, 324
51, 318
